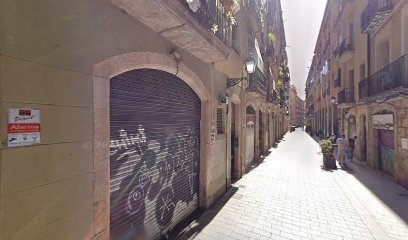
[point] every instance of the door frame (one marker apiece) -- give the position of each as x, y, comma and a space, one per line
103, 71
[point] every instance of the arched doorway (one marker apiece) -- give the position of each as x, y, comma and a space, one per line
250, 135
351, 126
383, 124
155, 152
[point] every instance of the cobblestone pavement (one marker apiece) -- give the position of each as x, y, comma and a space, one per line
289, 196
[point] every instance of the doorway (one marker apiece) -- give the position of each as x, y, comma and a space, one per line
363, 138
351, 126
250, 136
234, 142
154, 153
387, 151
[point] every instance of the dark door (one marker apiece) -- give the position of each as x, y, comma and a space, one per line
364, 140
154, 153
387, 151
234, 141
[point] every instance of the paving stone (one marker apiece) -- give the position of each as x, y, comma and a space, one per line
289, 196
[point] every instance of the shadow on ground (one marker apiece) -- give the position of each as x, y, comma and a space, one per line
381, 185
194, 224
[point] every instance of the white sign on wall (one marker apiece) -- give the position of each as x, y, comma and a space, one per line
383, 121
404, 143
23, 127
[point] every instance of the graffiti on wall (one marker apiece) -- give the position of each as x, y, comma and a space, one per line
154, 180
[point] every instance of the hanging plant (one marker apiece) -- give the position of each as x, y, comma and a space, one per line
231, 19
214, 28
271, 38
235, 3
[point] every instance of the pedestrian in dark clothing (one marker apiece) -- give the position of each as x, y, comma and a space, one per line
332, 139
351, 147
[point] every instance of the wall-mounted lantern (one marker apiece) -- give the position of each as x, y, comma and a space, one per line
250, 65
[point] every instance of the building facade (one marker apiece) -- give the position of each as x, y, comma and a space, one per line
357, 84
297, 108
142, 110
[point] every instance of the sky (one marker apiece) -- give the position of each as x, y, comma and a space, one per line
302, 19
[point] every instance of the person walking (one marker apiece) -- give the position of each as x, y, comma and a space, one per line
351, 147
341, 150
333, 141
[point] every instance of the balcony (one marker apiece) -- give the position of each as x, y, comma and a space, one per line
188, 29
346, 51
273, 97
345, 98
387, 82
374, 14
257, 82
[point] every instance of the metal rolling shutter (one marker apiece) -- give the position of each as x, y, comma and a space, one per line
154, 153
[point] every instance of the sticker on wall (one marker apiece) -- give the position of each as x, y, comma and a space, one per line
23, 127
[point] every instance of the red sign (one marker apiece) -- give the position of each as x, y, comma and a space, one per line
23, 127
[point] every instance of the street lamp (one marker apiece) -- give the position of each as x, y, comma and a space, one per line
333, 102
250, 65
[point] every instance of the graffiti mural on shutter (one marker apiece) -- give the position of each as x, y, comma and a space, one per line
154, 153
387, 152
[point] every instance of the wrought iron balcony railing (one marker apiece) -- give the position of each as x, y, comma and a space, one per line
374, 14
210, 15
257, 81
346, 47
390, 77
273, 97
346, 96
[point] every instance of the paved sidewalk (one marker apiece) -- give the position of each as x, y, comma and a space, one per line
289, 196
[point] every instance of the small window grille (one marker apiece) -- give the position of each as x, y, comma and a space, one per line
220, 129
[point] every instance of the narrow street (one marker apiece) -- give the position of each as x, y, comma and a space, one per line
289, 196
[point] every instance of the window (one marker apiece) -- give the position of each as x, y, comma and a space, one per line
339, 77
351, 34
220, 129
362, 72
351, 79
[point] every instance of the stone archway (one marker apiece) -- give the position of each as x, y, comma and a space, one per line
103, 71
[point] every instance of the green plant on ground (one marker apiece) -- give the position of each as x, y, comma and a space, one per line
214, 28
327, 148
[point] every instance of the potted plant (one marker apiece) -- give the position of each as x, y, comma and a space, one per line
329, 160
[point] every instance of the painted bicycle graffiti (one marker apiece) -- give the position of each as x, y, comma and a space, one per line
153, 180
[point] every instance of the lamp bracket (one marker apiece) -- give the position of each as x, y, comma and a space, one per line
234, 81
